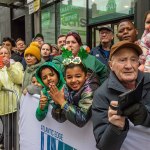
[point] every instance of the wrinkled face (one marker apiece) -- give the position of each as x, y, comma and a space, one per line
124, 64
30, 59
105, 36
127, 31
49, 76
39, 40
75, 78
72, 44
147, 22
20, 46
45, 50
7, 44
5, 53
61, 41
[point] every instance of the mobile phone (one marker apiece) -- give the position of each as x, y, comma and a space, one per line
130, 97
1, 62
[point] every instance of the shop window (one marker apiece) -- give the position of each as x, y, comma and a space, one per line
71, 15
48, 24
105, 10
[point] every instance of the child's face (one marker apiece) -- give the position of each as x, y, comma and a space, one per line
75, 78
49, 76
147, 22
35, 82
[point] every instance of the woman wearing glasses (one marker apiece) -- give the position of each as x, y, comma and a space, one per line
74, 44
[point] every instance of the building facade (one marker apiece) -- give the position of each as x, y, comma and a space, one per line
86, 16
55, 17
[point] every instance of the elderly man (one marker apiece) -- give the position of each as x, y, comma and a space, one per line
102, 51
112, 130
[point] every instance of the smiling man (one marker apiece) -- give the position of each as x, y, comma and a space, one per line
114, 131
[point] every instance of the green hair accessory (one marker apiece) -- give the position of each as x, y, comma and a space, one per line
82, 53
74, 60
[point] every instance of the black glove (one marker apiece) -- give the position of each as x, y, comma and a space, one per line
136, 113
59, 115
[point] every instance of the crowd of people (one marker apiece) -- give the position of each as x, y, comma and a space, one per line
80, 85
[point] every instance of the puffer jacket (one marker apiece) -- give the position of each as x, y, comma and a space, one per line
10, 78
79, 103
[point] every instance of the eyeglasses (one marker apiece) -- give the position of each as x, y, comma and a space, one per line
76, 60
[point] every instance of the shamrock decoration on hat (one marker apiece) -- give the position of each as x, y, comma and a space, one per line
83, 52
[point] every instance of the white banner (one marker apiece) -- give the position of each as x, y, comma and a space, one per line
49, 134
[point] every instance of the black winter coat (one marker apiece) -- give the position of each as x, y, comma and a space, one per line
108, 136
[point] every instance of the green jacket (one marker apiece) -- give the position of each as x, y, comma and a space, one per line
41, 114
90, 62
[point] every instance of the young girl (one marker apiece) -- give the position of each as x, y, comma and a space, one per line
77, 97
145, 45
47, 74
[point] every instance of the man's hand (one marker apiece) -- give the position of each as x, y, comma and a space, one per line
115, 119
136, 113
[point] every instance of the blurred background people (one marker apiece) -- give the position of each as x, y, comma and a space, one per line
102, 51
9, 43
18, 55
61, 41
46, 50
55, 50
39, 38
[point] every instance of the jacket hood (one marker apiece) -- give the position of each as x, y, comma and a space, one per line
61, 80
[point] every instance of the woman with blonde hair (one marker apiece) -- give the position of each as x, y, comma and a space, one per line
11, 76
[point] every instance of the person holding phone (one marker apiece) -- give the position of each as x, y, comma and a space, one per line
11, 76
114, 130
